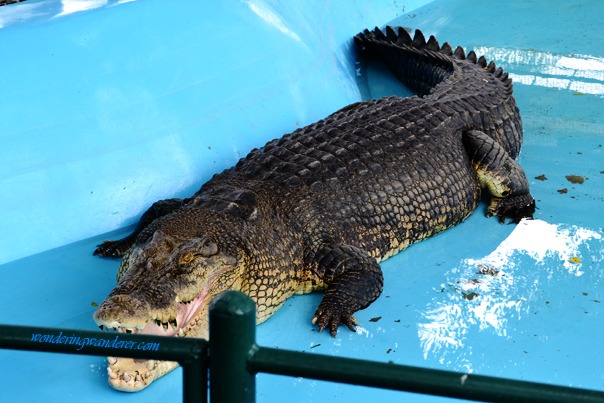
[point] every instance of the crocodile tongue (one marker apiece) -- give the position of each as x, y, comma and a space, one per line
131, 375
132, 309
185, 314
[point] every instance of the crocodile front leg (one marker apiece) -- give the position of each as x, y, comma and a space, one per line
505, 179
354, 280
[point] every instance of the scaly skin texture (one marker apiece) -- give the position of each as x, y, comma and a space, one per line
318, 209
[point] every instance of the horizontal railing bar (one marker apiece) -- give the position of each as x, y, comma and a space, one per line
90, 342
412, 379
191, 353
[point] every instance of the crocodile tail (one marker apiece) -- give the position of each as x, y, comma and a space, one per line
451, 77
421, 64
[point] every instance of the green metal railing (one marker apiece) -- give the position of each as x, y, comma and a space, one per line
236, 359
190, 353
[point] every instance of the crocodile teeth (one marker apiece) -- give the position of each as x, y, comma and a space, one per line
157, 322
138, 378
181, 332
165, 326
173, 323
111, 373
111, 360
150, 365
126, 377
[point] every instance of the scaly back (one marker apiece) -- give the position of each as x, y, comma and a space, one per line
467, 84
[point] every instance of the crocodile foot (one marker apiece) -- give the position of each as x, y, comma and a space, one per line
332, 314
113, 248
515, 208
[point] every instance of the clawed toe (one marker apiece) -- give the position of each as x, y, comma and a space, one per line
332, 320
514, 208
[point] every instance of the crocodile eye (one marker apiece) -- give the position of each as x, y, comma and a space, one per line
198, 248
208, 248
186, 258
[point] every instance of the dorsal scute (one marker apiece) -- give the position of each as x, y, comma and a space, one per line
446, 49
492, 67
432, 44
460, 53
403, 37
420, 51
391, 34
482, 62
419, 41
379, 34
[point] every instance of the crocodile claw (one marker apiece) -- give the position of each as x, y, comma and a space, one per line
333, 318
513, 208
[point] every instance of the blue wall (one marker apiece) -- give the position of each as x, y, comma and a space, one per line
104, 111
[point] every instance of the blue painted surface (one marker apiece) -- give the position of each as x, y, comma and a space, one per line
105, 110
102, 112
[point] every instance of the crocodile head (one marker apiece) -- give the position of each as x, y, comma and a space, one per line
165, 286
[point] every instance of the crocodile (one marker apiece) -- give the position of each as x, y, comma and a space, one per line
318, 209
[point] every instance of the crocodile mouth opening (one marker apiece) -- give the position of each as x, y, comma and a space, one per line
130, 313
187, 315
131, 375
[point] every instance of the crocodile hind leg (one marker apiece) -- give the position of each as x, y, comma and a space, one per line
354, 280
498, 172
121, 246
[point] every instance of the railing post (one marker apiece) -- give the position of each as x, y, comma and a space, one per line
232, 336
195, 378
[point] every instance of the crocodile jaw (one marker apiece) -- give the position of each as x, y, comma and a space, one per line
132, 375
